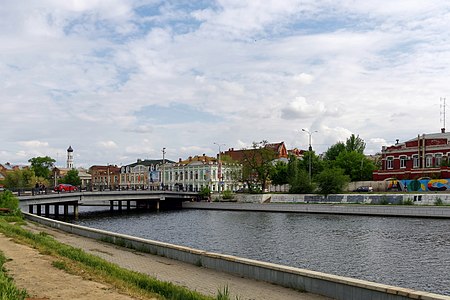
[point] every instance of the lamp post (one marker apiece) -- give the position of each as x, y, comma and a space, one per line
163, 167
219, 167
310, 133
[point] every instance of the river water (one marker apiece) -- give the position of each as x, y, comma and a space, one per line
406, 252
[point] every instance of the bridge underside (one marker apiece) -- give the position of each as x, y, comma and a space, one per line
70, 209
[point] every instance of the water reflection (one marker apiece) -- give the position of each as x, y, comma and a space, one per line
407, 252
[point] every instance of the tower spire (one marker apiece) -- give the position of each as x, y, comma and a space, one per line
70, 158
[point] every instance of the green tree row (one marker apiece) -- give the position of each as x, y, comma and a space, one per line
39, 173
341, 163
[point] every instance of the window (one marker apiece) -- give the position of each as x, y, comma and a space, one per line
389, 162
437, 160
402, 162
429, 160
416, 162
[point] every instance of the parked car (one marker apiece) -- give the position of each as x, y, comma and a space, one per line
64, 187
365, 189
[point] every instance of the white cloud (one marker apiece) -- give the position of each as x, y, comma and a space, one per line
300, 108
108, 144
77, 72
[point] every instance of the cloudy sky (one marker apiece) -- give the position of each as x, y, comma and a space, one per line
119, 80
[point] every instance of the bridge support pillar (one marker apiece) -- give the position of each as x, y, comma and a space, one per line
47, 210
66, 210
75, 211
157, 205
30, 209
128, 205
111, 205
120, 205
56, 208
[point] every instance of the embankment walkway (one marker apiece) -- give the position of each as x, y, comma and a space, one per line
203, 280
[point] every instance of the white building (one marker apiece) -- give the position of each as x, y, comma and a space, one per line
200, 172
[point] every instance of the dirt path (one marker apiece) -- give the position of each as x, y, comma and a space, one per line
35, 273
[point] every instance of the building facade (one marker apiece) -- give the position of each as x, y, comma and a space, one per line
424, 156
143, 174
105, 177
199, 172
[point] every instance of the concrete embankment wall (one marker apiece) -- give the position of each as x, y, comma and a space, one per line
332, 286
367, 198
343, 209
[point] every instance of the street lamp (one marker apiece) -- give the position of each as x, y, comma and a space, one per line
163, 167
220, 166
310, 133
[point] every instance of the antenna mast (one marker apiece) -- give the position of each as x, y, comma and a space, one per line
442, 112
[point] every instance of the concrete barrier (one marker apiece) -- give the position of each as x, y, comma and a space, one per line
332, 286
342, 209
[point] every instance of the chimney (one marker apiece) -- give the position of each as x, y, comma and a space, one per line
179, 160
442, 130
397, 141
190, 158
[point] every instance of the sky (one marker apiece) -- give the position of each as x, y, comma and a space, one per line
119, 80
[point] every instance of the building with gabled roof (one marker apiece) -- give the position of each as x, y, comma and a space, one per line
426, 155
279, 150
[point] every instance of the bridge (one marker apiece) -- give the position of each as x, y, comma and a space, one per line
45, 204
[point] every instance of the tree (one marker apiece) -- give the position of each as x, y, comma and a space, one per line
257, 165
334, 151
331, 181
42, 166
71, 178
298, 177
279, 174
20, 179
355, 143
356, 165
317, 164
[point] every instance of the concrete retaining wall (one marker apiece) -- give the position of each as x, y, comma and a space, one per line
336, 287
343, 209
369, 198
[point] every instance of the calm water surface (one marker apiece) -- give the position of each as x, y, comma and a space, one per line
407, 252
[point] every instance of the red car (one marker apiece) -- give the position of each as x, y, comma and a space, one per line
64, 187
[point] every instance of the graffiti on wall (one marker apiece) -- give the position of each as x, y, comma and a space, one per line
424, 185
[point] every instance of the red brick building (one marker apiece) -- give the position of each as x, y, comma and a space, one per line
279, 150
105, 177
423, 156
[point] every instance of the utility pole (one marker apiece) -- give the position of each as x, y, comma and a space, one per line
310, 133
219, 169
163, 167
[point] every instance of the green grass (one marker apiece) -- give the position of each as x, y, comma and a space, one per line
72, 259
8, 291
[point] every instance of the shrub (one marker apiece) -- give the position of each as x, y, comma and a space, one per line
204, 193
8, 200
227, 195
408, 202
438, 201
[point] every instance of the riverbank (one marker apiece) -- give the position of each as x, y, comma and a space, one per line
344, 209
202, 280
